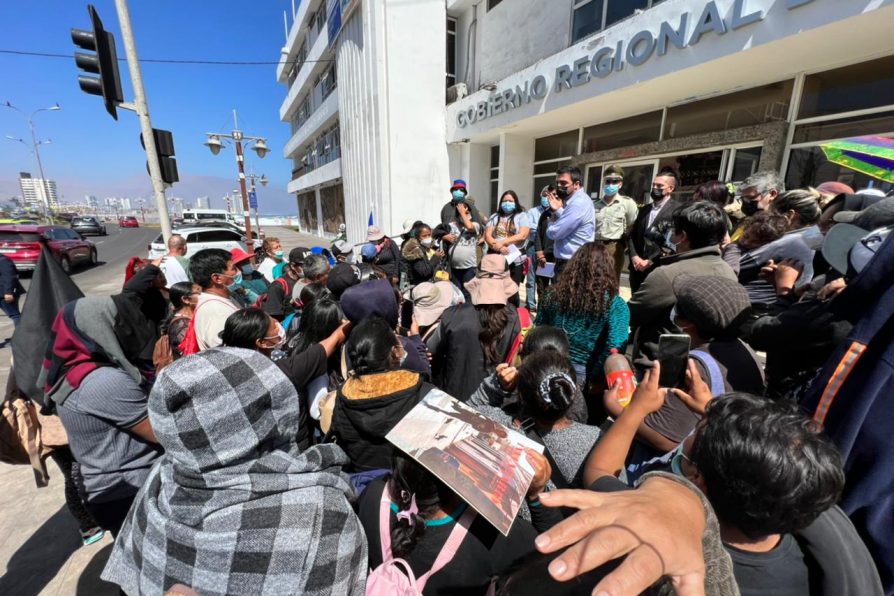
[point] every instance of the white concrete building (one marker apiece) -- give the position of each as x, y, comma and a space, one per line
37, 193
715, 89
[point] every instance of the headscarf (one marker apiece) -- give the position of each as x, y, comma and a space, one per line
82, 339
233, 507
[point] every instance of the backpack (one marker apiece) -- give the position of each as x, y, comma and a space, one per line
190, 343
20, 433
524, 318
259, 304
394, 576
715, 377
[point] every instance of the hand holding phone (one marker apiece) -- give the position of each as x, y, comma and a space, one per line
673, 354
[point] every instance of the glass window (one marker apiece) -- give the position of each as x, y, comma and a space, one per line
733, 110
550, 167
621, 133
495, 156
621, 9
846, 127
332, 201
746, 163
307, 211
855, 87
594, 179
809, 167
219, 236
587, 20
451, 52
494, 189
693, 169
553, 147
492, 3
539, 183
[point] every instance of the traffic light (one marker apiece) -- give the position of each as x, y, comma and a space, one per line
164, 149
104, 63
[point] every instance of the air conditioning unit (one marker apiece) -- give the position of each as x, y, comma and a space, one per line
456, 92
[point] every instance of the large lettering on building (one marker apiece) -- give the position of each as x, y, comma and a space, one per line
686, 32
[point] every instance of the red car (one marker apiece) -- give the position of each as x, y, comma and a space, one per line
128, 221
21, 244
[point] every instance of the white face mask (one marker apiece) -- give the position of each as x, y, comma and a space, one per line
426, 242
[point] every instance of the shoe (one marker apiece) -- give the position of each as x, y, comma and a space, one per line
92, 536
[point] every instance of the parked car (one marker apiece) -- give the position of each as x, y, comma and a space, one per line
22, 245
128, 221
88, 224
200, 238
224, 224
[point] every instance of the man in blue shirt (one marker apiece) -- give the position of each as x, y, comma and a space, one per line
573, 220
541, 205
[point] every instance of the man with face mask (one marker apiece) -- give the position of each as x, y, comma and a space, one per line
214, 271
572, 220
615, 213
278, 301
755, 194
458, 194
535, 214
656, 216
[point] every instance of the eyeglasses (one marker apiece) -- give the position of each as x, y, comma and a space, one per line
677, 460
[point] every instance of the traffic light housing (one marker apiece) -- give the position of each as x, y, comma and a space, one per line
164, 149
104, 63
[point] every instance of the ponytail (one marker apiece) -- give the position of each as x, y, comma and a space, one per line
416, 492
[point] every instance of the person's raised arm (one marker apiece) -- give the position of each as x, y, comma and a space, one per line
566, 220
465, 217
337, 338
610, 454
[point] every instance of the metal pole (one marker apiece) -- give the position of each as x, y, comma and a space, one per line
142, 109
240, 160
44, 187
257, 207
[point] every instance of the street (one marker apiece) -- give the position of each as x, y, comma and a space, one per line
40, 550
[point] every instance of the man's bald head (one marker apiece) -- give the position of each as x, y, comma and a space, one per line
177, 245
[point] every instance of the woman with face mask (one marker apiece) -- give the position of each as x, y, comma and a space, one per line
273, 256
419, 253
252, 329
509, 226
183, 296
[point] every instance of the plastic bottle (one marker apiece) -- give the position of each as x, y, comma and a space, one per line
617, 370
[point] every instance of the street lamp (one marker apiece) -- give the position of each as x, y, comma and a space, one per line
263, 180
34, 144
260, 147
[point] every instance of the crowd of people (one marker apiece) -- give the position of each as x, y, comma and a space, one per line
229, 412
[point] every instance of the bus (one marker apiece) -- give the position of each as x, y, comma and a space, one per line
194, 216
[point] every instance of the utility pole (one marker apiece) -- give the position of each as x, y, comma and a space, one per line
141, 107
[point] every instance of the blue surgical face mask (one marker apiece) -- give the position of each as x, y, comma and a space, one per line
237, 280
278, 254
247, 269
611, 189
458, 195
507, 206
544, 202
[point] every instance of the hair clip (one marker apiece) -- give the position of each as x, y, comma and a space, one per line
543, 390
409, 513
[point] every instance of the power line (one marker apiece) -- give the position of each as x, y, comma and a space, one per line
171, 61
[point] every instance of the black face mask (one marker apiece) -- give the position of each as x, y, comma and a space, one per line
562, 192
750, 207
657, 195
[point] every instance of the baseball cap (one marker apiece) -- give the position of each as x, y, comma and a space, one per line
342, 277
459, 184
848, 248
296, 255
710, 302
368, 252
342, 247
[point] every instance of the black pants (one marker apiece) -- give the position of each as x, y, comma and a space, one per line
516, 274
70, 471
110, 515
459, 277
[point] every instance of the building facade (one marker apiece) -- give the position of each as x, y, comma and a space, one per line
714, 89
503, 92
38, 193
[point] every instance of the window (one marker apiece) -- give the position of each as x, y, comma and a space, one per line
644, 128
855, 87
591, 16
808, 166
733, 110
745, 163
846, 127
556, 146
693, 169
72, 235
219, 236
451, 51
494, 176
492, 3
332, 202
307, 211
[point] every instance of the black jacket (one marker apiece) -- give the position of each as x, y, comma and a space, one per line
9, 278
542, 242
420, 267
459, 363
637, 244
448, 213
367, 408
388, 260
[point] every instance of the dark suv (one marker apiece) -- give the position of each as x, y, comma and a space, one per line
88, 225
22, 245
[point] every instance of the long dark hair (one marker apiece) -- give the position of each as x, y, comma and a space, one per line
176, 294
410, 480
588, 284
493, 319
319, 320
244, 327
370, 347
546, 386
511, 230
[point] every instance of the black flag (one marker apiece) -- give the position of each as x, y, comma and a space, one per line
50, 290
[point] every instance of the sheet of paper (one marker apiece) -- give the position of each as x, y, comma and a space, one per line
514, 255
548, 270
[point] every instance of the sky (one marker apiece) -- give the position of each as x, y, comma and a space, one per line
91, 153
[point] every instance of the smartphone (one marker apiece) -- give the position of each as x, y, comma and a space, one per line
406, 314
673, 354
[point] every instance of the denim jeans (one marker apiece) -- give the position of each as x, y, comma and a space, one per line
11, 309
531, 285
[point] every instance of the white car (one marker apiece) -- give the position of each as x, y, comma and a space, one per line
200, 238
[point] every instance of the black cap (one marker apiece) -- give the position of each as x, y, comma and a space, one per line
296, 255
342, 277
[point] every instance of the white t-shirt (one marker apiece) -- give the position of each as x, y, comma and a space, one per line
266, 268
210, 317
174, 270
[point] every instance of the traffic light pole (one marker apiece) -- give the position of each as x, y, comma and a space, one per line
141, 107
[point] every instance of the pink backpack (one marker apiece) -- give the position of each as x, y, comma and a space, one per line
388, 579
